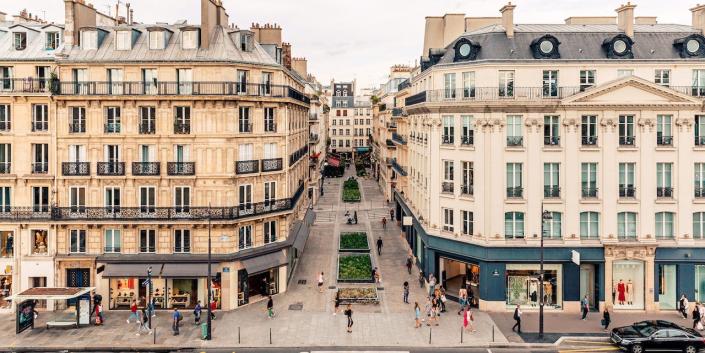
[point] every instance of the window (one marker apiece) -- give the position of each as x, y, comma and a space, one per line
468, 132
189, 39
626, 225
115, 84
77, 241
626, 130
5, 117
241, 82
588, 172
551, 184
244, 123
700, 130
448, 171
448, 219
270, 232
245, 40
699, 225
112, 120
182, 241
587, 79
123, 40
112, 199
112, 240
40, 199
664, 225
662, 77
467, 219
40, 152
40, 117
77, 199
699, 178
551, 127
20, 40
40, 241
148, 240
245, 199
448, 130
182, 199
626, 180
589, 225
269, 120
182, 120
698, 83
468, 84
5, 158
53, 40
449, 85
514, 225
6, 78
147, 199
156, 40
588, 130
89, 40
149, 79
625, 73
245, 237
514, 134
5, 199
506, 83
550, 83
266, 86
468, 178
552, 227
184, 77
148, 122
514, 180
664, 180
663, 130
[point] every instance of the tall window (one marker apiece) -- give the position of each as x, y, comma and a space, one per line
626, 180
514, 225
78, 120
550, 83
626, 225
514, 133
148, 199
589, 225
698, 88
698, 225
112, 199
112, 240
266, 86
699, 130
587, 79
115, 85
241, 82
182, 120
40, 117
149, 80
182, 241
551, 183
5, 199
156, 40
52, 41
6, 81
552, 227
551, 136
662, 77
468, 84
664, 179
514, 180
468, 178
506, 83
449, 86
40, 199
699, 179
626, 130
588, 130
184, 77
467, 219
77, 241
5, 117
664, 136
112, 120
270, 192
270, 232
77, 199
269, 120
244, 120
245, 237
182, 199
5, 158
664, 225
20, 40
40, 152
588, 174
468, 130
245, 198
448, 176
448, 130
448, 222
123, 40
148, 240
148, 122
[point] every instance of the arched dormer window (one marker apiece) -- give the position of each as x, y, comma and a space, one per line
545, 47
465, 50
618, 47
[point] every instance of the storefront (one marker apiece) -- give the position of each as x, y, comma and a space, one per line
5, 290
260, 277
7, 243
523, 285
457, 275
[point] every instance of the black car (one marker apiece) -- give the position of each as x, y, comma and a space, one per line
657, 335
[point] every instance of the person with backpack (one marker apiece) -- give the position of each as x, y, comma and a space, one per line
683, 306
270, 307
175, 319
406, 292
584, 307
517, 319
696, 316
197, 313
606, 318
144, 323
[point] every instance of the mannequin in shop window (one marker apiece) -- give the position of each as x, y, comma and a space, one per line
630, 292
9, 244
621, 290
40, 244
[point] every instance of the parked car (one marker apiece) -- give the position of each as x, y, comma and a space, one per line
657, 335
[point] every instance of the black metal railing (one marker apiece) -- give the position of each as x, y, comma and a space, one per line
415, 99
515, 191
467, 140
627, 140
111, 168
270, 127
664, 140
398, 138
146, 168
294, 157
40, 168
466, 190
589, 140
5, 167
448, 187
700, 140
112, 128
397, 112
699, 192
147, 129
5, 125
245, 127
272, 164
180, 168
398, 168
39, 126
551, 191
75, 168
404, 85
25, 85
448, 139
664, 191
390, 143
515, 141
247, 167
112, 249
181, 128
551, 140
510, 93
77, 128
589, 192
627, 191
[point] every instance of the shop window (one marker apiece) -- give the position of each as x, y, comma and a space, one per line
184, 293
5, 291
523, 285
7, 244
40, 239
667, 296
270, 232
461, 278
628, 284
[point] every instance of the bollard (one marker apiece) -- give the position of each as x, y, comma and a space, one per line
270, 335
461, 334
238, 334
430, 331
492, 333
154, 336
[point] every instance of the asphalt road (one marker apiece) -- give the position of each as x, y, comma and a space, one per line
379, 350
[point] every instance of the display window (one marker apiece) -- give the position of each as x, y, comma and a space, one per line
216, 291
523, 285
5, 291
124, 290
40, 239
667, 296
7, 244
184, 293
699, 283
628, 284
254, 287
461, 278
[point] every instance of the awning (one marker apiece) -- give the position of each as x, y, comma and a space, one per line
265, 262
131, 270
362, 149
46, 293
188, 270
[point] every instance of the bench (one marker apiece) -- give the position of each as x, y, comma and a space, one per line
62, 324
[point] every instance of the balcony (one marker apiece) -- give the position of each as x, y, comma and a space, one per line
448, 140
40, 168
245, 127
182, 128
272, 164
467, 190
467, 140
515, 141
551, 140
312, 117
627, 140
146, 168
627, 191
700, 140
589, 140
247, 167
515, 192
77, 128
448, 187
391, 126
664, 140
76, 168
40, 126
397, 168
181, 168
551, 191
112, 128
397, 112
415, 99
313, 138
399, 139
664, 192
111, 168
270, 127
404, 85
483, 94
5, 167
390, 144
5, 125
589, 192
294, 157
699, 192
25, 85
147, 129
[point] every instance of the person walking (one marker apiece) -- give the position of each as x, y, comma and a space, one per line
391, 214
427, 309
270, 307
197, 313
417, 313
462, 299
336, 303
320, 283
406, 292
606, 319
683, 306
349, 314
696, 316
384, 223
175, 318
584, 307
379, 245
517, 319
422, 280
133, 312
442, 296
431, 284
468, 319
409, 263
214, 305
144, 323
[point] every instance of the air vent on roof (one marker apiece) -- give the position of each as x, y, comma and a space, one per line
180, 22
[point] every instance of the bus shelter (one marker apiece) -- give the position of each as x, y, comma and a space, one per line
28, 299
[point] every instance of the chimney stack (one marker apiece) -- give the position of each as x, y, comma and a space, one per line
699, 17
625, 19
213, 14
300, 65
508, 18
78, 14
128, 13
286, 55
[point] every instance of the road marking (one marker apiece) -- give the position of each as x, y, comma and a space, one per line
606, 349
590, 342
489, 350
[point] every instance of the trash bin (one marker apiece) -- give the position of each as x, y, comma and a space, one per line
204, 330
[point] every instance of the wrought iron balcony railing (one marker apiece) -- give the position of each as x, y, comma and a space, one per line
699, 192
466, 190
467, 140
245, 127
700, 140
398, 168
247, 167
515, 141
272, 164
40, 126
147, 129
627, 140
111, 168
398, 138
515, 192
112, 128
40, 168
627, 191
25, 85
270, 127
77, 128
551, 191
5, 125
662, 140
415, 99
181, 128
146, 168
664, 192
551, 140
448, 187
294, 157
448, 139
589, 192
589, 140
75, 168
5, 167
181, 168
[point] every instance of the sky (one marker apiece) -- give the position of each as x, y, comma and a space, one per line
360, 39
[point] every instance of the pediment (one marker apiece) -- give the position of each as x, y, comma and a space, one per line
631, 91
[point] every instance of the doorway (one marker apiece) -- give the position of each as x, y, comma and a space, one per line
78, 277
587, 284
667, 297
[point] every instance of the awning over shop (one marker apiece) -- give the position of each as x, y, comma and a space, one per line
262, 263
300, 230
46, 293
189, 270
362, 149
131, 270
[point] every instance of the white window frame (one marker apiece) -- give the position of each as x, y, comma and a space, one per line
189, 40
123, 40
270, 231
89, 40
244, 240
627, 225
467, 218
157, 40
150, 238
514, 225
448, 219
77, 237
665, 225
113, 237
182, 237
662, 77
591, 220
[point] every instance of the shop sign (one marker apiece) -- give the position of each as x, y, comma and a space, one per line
226, 269
575, 257
407, 221
84, 317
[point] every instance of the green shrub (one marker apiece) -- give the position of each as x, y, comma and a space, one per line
351, 191
355, 267
354, 241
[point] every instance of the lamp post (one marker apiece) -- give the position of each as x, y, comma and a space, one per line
545, 215
150, 306
208, 286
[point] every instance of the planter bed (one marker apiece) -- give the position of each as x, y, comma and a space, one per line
355, 268
351, 191
353, 242
363, 295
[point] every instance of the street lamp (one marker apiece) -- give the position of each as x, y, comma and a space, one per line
208, 328
545, 216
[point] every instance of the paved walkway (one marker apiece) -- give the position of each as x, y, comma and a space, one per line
304, 317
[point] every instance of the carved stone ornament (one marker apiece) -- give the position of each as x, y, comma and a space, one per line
535, 123
608, 123
685, 124
646, 123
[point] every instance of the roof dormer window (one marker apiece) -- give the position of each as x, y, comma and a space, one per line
189, 39
89, 40
156, 40
545, 47
246, 41
618, 47
465, 49
692, 46
52, 40
123, 40
20, 40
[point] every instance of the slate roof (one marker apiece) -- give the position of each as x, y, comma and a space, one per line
577, 42
36, 46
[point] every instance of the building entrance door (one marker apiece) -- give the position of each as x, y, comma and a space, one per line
78, 277
587, 284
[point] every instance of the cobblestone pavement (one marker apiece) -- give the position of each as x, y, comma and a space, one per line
304, 317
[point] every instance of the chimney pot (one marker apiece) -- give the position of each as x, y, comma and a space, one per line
698, 17
508, 18
625, 19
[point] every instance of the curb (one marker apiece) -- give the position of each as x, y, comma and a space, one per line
155, 349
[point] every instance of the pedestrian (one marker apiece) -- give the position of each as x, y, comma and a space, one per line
417, 314
427, 309
391, 214
696, 316
406, 292
422, 280
462, 299
144, 323
409, 263
384, 222
133, 312
431, 284
336, 303
376, 275
584, 307
606, 318
379, 245
349, 314
702, 313
517, 319
355, 216
175, 322
434, 313
213, 306
197, 313
320, 283
151, 306
99, 318
270, 307
683, 306
468, 319
442, 296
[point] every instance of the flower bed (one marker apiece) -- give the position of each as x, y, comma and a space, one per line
355, 268
354, 242
363, 295
351, 191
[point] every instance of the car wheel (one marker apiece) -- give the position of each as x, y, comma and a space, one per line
690, 349
637, 348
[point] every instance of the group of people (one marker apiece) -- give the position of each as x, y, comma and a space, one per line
436, 305
141, 316
698, 313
